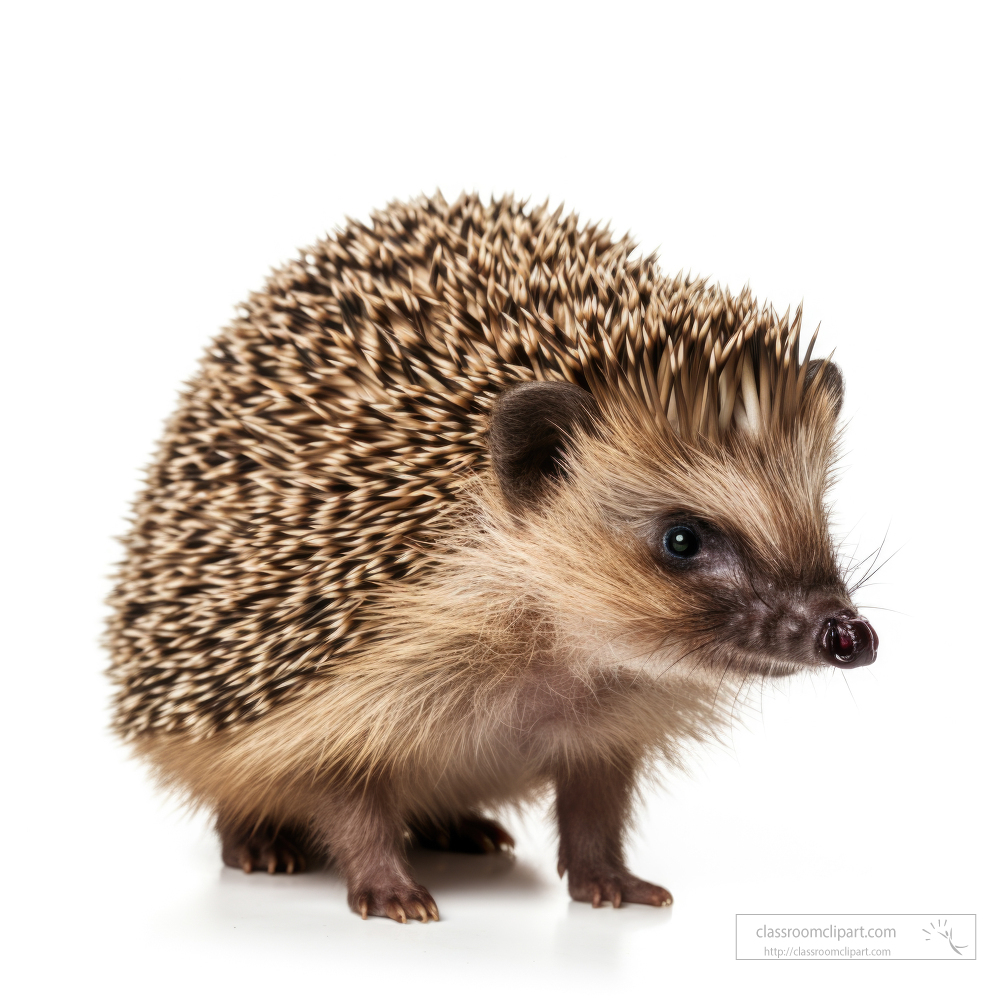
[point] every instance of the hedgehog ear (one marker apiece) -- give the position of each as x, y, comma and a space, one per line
832, 380
529, 428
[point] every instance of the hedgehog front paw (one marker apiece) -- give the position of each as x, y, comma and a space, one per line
398, 902
597, 885
264, 851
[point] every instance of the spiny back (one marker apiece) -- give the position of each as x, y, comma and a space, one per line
332, 424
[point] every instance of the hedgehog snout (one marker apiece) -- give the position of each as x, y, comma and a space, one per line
808, 628
848, 640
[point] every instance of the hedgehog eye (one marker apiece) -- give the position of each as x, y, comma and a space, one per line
681, 542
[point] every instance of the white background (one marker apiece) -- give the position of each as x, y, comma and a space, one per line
158, 159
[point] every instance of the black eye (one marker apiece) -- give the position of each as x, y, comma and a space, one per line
681, 541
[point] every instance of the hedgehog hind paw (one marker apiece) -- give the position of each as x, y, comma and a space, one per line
468, 834
274, 851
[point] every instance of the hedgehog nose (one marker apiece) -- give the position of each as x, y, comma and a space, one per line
848, 640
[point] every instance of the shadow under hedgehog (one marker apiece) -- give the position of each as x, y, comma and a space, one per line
468, 504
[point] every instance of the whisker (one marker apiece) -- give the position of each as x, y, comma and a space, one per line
855, 565
878, 551
748, 673
758, 596
719, 688
849, 691
874, 570
690, 652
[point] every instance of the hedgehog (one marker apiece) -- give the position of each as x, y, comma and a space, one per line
469, 506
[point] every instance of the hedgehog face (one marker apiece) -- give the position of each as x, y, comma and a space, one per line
770, 601
665, 554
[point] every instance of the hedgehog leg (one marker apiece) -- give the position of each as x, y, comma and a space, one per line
593, 805
466, 834
365, 834
261, 846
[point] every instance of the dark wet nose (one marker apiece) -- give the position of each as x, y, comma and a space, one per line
848, 640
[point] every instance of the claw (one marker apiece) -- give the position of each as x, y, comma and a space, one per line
401, 903
504, 839
466, 833
262, 850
